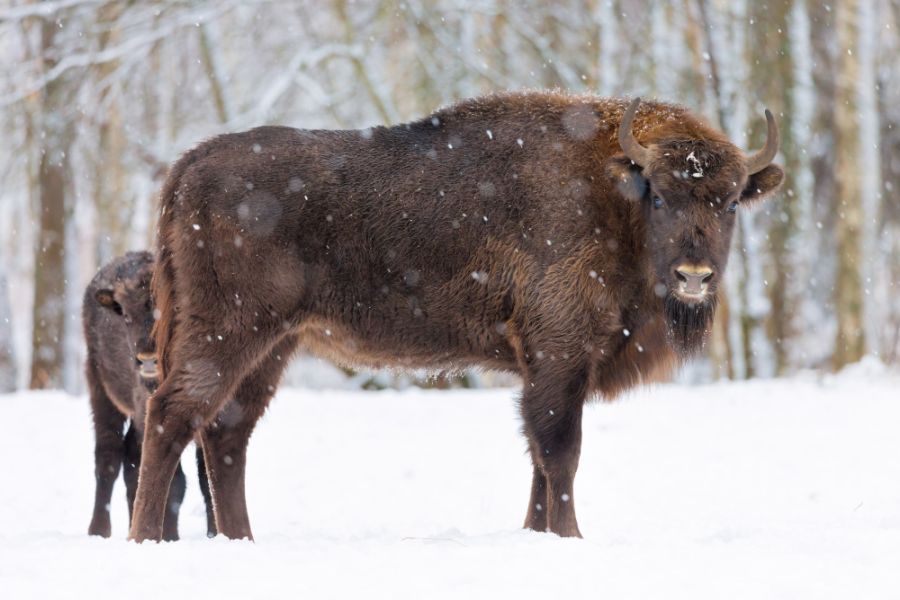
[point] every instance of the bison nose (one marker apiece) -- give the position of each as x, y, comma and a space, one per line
693, 279
146, 362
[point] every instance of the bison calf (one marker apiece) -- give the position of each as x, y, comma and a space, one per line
575, 240
121, 374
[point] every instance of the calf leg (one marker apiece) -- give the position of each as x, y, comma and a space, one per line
132, 465
552, 406
108, 451
225, 442
207, 496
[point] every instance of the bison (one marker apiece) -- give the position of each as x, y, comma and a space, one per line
577, 241
117, 314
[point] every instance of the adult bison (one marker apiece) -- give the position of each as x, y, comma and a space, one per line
575, 240
117, 314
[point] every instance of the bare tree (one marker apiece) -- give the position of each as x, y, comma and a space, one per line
111, 191
105, 94
7, 357
54, 183
850, 343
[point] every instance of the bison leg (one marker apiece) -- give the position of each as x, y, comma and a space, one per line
225, 452
225, 442
536, 517
551, 408
108, 451
202, 376
173, 505
167, 432
176, 491
211, 530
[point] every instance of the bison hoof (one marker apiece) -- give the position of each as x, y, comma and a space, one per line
100, 529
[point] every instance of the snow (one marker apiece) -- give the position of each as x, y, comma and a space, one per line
694, 164
766, 489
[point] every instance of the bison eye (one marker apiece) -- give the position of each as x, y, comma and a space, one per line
657, 202
732, 208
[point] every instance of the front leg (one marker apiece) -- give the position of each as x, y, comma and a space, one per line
132, 466
552, 406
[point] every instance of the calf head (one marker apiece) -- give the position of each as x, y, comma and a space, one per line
690, 190
130, 299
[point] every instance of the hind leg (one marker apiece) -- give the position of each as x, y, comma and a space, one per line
108, 451
202, 376
173, 505
131, 469
225, 441
536, 517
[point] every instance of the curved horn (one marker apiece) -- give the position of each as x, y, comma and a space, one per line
633, 150
764, 157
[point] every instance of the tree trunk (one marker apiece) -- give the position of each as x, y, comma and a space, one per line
607, 47
889, 213
213, 74
721, 353
359, 67
113, 202
7, 354
777, 93
848, 298
824, 183
872, 272
49, 269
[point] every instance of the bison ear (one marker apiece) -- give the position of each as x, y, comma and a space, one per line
628, 177
763, 184
107, 299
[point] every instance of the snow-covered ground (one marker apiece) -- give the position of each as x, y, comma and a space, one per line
768, 489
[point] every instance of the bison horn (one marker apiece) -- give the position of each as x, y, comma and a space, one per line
764, 157
633, 150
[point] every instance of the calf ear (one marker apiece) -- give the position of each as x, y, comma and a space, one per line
107, 299
763, 184
628, 177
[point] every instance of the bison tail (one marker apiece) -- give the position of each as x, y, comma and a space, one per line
163, 282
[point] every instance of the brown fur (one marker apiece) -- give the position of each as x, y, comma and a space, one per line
506, 232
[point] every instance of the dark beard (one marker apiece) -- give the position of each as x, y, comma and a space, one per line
688, 325
150, 384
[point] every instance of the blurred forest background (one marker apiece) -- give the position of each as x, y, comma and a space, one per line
98, 97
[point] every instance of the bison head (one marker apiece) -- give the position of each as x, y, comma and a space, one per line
690, 189
130, 299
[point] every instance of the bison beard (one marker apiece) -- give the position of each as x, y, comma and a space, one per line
689, 324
